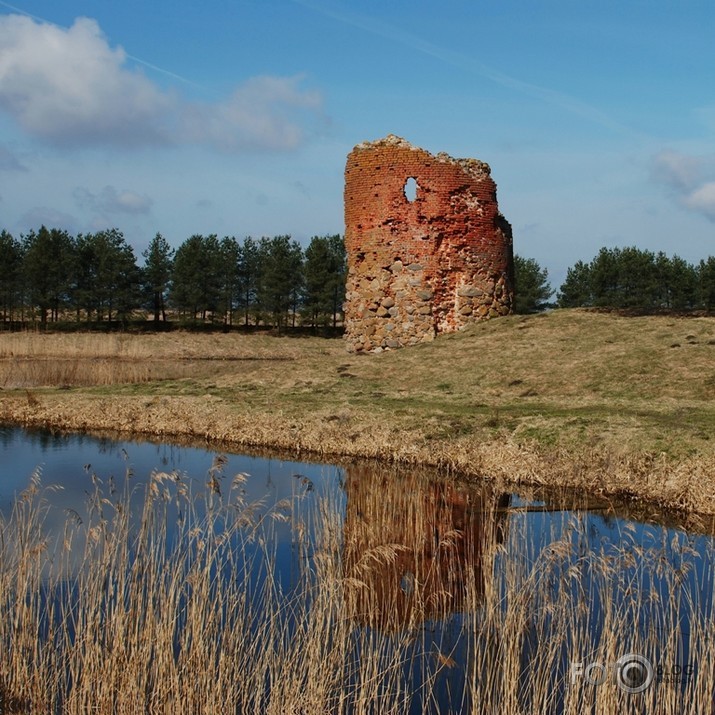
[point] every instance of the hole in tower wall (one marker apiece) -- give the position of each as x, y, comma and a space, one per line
410, 189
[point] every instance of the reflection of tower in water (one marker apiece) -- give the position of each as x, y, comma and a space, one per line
415, 546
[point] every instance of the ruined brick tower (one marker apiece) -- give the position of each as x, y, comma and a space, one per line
428, 251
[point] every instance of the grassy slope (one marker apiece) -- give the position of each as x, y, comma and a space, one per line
608, 403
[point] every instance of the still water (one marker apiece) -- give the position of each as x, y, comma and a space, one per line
440, 567
83, 467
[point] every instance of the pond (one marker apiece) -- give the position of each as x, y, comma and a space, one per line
141, 577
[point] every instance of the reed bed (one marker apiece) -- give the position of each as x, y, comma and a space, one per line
175, 345
32, 359
64, 373
421, 597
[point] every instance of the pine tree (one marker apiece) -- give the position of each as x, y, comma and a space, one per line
230, 254
282, 277
10, 276
684, 284
325, 271
250, 271
196, 279
48, 268
576, 290
706, 283
156, 276
106, 279
532, 286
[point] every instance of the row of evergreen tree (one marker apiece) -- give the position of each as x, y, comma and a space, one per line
49, 275
639, 279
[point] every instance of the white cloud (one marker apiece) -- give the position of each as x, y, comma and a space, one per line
111, 201
691, 180
702, 200
264, 112
69, 87
677, 170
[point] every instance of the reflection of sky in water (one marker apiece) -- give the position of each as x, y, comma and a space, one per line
63, 458
535, 534
532, 534
70, 461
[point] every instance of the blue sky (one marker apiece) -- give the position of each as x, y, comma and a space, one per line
235, 118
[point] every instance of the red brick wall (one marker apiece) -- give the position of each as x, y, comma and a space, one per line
421, 267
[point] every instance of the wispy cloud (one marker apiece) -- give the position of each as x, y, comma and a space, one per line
468, 63
679, 171
9, 161
69, 87
111, 201
264, 112
690, 179
46, 216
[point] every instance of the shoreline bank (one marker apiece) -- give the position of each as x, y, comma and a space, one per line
685, 487
616, 406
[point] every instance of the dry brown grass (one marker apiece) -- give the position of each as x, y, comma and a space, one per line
120, 618
148, 346
594, 401
33, 359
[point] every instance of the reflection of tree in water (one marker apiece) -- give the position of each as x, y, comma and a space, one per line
51, 441
46, 439
414, 545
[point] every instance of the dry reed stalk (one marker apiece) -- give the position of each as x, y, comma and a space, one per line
64, 373
177, 606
